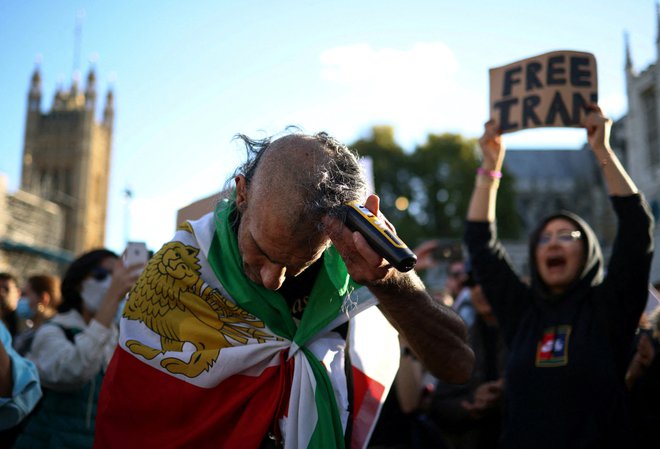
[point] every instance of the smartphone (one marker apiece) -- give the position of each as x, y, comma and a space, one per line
379, 236
136, 253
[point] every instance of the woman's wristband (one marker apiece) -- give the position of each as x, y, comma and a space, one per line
495, 174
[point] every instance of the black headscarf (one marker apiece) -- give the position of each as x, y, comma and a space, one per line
592, 270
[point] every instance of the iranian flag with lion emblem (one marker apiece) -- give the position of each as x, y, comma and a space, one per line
209, 359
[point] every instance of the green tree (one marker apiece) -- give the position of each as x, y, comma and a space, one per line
436, 180
392, 178
445, 165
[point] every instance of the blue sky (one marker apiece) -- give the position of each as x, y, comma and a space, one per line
188, 76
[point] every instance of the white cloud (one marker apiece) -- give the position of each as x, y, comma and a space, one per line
416, 90
420, 90
359, 65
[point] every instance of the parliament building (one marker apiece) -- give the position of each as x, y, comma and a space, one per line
60, 209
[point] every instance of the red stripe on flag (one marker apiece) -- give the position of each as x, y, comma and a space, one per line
368, 397
142, 407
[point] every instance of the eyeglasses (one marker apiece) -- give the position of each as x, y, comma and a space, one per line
100, 273
455, 274
562, 237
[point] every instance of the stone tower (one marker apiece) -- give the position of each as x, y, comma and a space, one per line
642, 130
66, 159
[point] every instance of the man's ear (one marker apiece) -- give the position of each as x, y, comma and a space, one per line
241, 192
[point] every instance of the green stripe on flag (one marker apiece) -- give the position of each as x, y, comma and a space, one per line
324, 304
328, 433
226, 262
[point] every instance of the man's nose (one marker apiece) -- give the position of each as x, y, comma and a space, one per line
272, 275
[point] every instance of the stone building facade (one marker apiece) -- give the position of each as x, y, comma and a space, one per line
549, 180
66, 159
31, 232
60, 209
640, 133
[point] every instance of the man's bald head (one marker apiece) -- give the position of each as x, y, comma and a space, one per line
290, 165
303, 176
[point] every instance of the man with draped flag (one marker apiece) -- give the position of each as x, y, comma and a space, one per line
254, 327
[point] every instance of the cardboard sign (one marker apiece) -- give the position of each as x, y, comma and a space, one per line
548, 90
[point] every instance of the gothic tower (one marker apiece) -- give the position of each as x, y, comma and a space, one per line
642, 123
66, 158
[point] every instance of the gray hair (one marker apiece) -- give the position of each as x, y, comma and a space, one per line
324, 173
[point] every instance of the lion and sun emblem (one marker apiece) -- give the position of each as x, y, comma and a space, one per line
172, 300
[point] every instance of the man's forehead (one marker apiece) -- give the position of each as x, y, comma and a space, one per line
274, 233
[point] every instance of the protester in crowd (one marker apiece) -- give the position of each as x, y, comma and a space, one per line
423, 412
643, 382
42, 296
71, 351
468, 416
9, 295
460, 291
252, 307
570, 332
403, 422
19, 389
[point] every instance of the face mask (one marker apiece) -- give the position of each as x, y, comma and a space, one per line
23, 309
93, 291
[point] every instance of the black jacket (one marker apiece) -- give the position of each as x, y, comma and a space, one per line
568, 353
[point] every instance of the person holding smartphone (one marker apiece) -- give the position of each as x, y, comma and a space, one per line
72, 350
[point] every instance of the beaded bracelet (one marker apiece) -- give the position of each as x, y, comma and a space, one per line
496, 174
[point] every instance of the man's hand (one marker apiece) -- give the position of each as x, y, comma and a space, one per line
435, 333
364, 264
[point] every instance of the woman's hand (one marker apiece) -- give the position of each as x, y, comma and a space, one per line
492, 147
598, 130
123, 279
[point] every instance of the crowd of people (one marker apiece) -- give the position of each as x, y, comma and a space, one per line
268, 323
572, 353
69, 335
